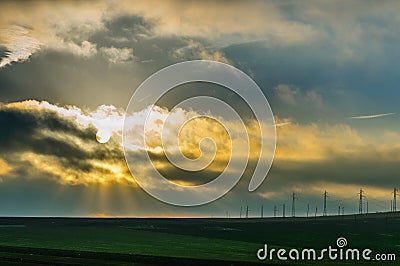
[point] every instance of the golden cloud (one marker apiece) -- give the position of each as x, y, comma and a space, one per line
296, 143
5, 168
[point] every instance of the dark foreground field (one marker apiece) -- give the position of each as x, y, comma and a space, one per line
89, 241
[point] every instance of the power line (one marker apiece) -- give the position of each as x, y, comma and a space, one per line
377, 203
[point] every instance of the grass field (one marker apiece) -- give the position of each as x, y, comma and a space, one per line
89, 241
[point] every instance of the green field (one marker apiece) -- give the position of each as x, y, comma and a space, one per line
89, 241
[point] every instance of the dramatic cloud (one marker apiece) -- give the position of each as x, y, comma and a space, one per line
318, 64
61, 141
70, 26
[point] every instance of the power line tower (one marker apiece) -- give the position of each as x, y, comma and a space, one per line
394, 208
283, 210
360, 203
247, 211
293, 204
325, 195
316, 211
275, 210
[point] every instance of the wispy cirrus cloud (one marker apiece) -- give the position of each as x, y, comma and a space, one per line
371, 116
20, 46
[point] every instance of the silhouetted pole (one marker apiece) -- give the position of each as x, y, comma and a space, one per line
247, 211
394, 199
342, 210
308, 209
367, 206
283, 210
360, 203
325, 195
293, 205
275, 210
262, 211
240, 215
338, 212
316, 211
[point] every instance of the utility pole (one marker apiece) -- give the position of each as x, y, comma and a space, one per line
367, 206
240, 215
338, 212
394, 199
360, 204
342, 210
293, 204
325, 195
308, 208
316, 211
247, 211
262, 211
275, 210
283, 210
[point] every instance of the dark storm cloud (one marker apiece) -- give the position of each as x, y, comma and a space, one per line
21, 130
47, 133
124, 30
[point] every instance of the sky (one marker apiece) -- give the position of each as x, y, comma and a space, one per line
329, 69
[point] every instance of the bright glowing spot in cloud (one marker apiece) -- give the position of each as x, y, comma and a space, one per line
103, 136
